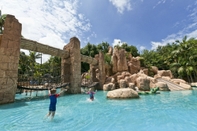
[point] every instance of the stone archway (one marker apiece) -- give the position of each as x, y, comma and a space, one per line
10, 44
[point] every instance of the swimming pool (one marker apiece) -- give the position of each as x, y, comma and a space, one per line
168, 111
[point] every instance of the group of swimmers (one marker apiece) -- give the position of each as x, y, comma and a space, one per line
53, 100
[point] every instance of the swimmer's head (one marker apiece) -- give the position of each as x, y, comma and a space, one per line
53, 91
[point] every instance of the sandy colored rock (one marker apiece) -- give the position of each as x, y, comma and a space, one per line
110, 50
119, 61
122, 84
110, 80
162, 86
132, 86
133, 78
134, 65
178, 81
167, 73
109, 86
143, 83
154, 69
123, 93
185, 86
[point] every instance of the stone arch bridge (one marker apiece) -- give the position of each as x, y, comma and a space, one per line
10, 44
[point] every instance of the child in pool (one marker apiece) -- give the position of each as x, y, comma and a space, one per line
91, 93
53, 100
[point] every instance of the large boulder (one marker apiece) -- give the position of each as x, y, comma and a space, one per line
134, 65
109, 86
132, 68
178, 81
133, 78
131, 85
122, 84
123, 93
110, 79
154, 69
167, 73
143, 83
162, 86
120, 77
153, 81
185, 86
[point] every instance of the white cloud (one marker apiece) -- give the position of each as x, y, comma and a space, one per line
121, 5
190, 30
142, 48
159, 2
117, 42
172, 38
51, 22
156, 44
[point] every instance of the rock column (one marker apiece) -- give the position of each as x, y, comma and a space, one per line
9, 59
72, 66
102, 74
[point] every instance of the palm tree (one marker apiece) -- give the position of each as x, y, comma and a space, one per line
32, 60
184, 57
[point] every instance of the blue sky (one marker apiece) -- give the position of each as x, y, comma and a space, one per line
142, 23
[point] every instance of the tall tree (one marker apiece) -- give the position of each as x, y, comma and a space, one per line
103, 47
184, 58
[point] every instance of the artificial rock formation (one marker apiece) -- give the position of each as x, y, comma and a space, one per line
123, 93
143, 83
9, 59
71, 67
102, 74
119, 61
134, 65
163, 73
162, 86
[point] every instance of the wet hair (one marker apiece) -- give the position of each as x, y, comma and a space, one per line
53, 91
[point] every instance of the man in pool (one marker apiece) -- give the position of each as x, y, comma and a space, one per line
53, 100
91, 93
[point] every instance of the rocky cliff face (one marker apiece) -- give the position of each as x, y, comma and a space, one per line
119, 61
128, 73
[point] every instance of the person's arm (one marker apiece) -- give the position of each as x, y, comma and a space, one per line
62, 91
49, 91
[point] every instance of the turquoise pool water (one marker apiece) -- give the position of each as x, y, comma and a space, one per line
168, 111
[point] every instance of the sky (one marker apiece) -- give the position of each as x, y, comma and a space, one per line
144, 24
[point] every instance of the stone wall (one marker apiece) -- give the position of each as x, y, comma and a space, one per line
9, 59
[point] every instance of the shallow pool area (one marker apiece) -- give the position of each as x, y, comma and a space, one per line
167, 111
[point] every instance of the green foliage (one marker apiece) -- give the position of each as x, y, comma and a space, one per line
130, 49
2, 20
142, 62
107, 59
87, 77
92, 50
29, 67
103, 47
89, 50
180, 57
84, 67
